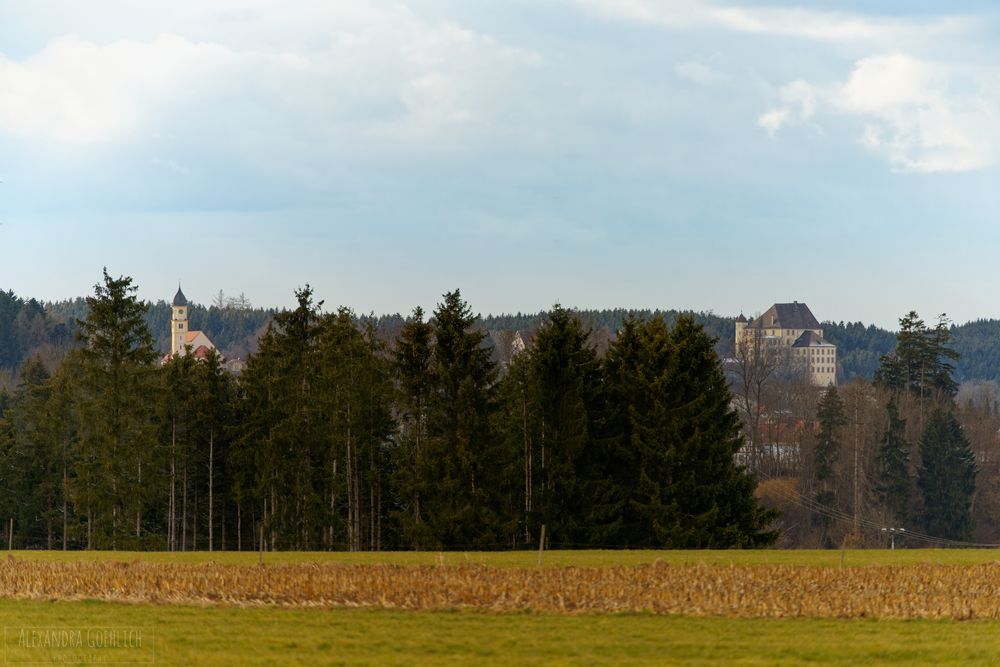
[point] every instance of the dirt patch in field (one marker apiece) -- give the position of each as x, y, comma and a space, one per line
892, 592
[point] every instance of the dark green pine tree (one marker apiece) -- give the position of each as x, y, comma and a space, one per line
461, 448
280, 452
624, 397
117, 430
179, 429
213, 390
28, 489
922, 360
831, 417
355, 392
566, 378
254, 461
947, 477
517, 427
894, 483
690, 493
412, 360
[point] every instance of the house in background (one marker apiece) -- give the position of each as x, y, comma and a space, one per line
791, 329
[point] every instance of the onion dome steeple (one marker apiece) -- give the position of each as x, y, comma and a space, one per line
180, 300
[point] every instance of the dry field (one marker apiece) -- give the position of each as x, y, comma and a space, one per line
925, 591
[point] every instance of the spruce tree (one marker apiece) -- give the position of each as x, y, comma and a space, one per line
281, 447
894, 485
922, 361
669, 394
947, 477
412, 359
355, 392
831, 417
566, 377
213, 389
117, 438
460, 454
28, 489
715, 496
518, 429
178, 401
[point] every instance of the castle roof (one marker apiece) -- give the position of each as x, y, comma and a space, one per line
811, 339
787, 316
741, 319
179, 299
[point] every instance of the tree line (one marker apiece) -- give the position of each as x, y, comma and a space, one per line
336, 438
31, 328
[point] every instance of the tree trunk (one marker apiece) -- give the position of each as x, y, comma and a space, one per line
172, 521
184, 507
211, 480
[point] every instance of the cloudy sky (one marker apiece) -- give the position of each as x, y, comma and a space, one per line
696, 154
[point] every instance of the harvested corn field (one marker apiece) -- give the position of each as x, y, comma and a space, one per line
780, 591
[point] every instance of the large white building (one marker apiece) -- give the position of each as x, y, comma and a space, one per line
791, 329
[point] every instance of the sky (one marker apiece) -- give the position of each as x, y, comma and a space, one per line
691, 154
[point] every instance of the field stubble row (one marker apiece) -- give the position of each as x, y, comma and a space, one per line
779, 591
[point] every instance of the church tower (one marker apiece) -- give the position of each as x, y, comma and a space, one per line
179, 324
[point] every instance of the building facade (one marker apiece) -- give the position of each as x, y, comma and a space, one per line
790, 334
182, 339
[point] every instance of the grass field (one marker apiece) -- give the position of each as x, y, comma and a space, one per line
226, 636
260, 633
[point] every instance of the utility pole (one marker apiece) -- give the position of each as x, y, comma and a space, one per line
892, 536
857, 488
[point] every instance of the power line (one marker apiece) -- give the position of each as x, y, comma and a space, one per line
799, 499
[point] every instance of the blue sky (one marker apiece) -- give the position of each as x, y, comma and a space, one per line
641, 153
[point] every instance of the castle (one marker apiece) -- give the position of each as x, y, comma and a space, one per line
182, 339
792, 329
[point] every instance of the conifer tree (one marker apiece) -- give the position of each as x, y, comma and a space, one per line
947, 477
460, 444
518, 427
117, 435
28, 491
178, 418
354, 390
922, 360
893, 468
213, 398
412, 360
677, 436
831, 417
566, 373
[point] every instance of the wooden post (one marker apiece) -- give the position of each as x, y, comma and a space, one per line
541, 545
261, 543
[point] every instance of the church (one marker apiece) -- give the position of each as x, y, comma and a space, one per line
182, 339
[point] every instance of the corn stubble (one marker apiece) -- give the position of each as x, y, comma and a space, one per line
780, 591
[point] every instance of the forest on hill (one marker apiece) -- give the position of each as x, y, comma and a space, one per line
30, 328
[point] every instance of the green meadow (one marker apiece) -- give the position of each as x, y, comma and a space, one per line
262, 635
268, 636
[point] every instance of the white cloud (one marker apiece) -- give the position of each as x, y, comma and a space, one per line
790, 22
700, 73
329, 68
921, 116
77, 91
774, 119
